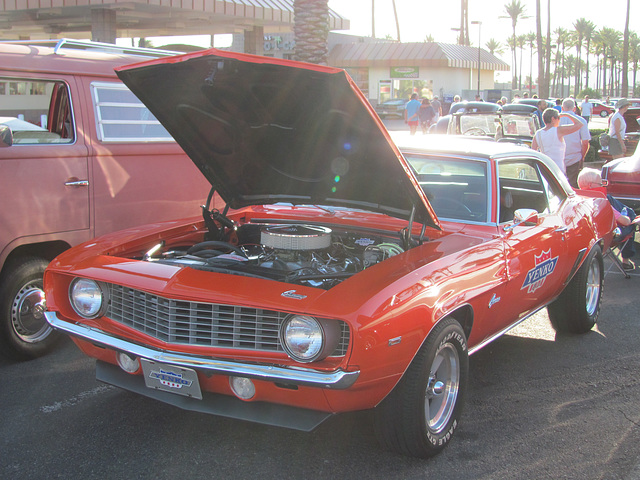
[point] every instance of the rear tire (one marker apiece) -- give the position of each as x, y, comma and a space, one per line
418, 418
24, 331
577, 308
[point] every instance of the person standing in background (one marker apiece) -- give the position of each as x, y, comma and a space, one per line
411, 113
586, 108
577, 143
426, 115
437, 107
541, 105
618, 129
550, 139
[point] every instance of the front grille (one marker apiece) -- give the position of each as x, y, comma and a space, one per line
202, 324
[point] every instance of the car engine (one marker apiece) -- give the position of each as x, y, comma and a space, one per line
309, 255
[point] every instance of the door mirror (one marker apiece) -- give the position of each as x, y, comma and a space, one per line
6, 136
523, 216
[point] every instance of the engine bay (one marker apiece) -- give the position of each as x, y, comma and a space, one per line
302, 254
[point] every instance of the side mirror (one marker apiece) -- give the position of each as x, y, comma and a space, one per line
6, 136
526, 216
523, 216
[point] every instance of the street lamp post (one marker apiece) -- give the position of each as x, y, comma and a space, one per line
479, 23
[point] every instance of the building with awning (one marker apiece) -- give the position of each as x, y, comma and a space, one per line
106, 20
395, 70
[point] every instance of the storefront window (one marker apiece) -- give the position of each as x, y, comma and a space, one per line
396, 88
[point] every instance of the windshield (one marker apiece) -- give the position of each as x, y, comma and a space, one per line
456, 189
478, 124
519, 125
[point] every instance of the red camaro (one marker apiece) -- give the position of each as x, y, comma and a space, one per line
348, 272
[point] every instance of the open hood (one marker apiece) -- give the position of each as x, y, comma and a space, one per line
265, 130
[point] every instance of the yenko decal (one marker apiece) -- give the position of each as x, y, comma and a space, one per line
170, 379
545, 265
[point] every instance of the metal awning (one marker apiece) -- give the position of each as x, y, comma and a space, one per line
25, 19
423, 54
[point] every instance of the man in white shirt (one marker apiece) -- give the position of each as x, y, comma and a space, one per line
586, 108
577, 143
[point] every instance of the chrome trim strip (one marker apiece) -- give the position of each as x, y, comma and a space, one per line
336, 380
503, 331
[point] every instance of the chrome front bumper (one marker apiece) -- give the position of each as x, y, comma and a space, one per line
336, 380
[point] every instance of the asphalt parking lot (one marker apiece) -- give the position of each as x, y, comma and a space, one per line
540, 405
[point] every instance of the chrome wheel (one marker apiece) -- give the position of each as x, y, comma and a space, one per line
442, 388
27, 313
593, 288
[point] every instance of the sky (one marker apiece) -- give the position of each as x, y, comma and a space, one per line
419, 18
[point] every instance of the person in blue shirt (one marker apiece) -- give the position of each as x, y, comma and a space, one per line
558, 104
411, 116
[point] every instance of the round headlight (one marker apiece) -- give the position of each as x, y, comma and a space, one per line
302, 338
86, 297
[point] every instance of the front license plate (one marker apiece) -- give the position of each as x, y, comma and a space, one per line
169, 378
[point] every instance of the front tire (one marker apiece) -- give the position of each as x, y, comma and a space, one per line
24, 332
604, 114
577, 308
418, 418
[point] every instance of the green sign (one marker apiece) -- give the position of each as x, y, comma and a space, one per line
404, 72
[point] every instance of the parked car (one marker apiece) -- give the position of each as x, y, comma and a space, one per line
632, 136
515, 123
83, 157
391, 108
601, 109
622, 179
348, 273
444, 123
534, 102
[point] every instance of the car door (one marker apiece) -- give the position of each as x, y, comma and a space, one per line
535, 252
45, 172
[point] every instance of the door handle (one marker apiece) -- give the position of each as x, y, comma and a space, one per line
561, 229
74, 182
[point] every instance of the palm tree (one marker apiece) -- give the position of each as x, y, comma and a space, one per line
311, 29
588, 35
494, 47
522, 40
599, 48
562, 37
570, 61
634, 52
395, 14
515, 11
530, 38
581, 26
625, 54
610, 39
373, 19
543, 89
547, 78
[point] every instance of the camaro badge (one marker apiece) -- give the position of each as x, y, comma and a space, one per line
545, 265
170, 379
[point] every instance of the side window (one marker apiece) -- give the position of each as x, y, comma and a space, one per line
121, 116
524, 184
36, 111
